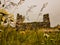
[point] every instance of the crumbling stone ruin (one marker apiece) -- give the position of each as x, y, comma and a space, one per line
32, 25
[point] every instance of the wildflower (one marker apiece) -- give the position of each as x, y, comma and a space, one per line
46, 35
22, 32
0, 30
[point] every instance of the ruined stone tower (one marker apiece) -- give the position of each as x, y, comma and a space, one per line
19, 21
46, 20
20, 18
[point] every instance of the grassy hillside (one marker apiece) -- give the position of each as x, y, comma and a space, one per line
9, 36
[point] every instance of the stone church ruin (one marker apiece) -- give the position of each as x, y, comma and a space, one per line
32, 25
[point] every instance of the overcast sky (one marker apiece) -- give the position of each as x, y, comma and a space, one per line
53, 8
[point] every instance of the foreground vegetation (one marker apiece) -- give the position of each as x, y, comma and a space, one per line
9, 36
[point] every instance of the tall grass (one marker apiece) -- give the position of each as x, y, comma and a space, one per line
9, 36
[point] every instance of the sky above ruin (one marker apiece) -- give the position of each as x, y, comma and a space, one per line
53, 8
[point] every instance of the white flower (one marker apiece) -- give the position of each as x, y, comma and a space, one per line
12, 24
46, 35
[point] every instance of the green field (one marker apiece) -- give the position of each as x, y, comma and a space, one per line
9, 36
